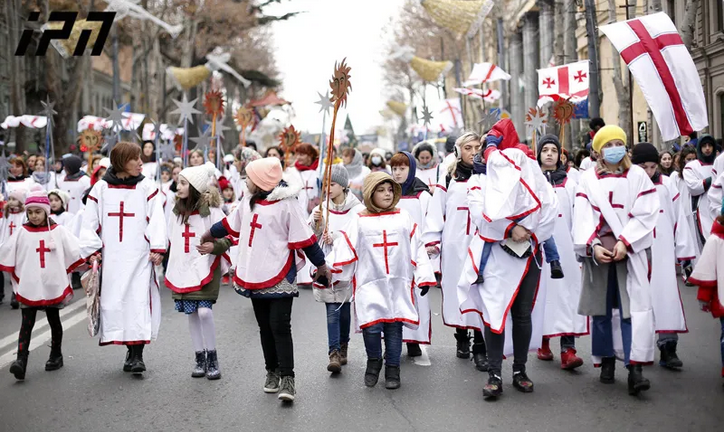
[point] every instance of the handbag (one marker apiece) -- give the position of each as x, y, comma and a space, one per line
91, 283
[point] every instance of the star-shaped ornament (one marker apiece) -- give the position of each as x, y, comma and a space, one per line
324, 103
220, 127
185, 109
456, 131
536, 120
203, 140
116, 116
489, 119
48, 110
167, 151
109, 141
156, 131
426, 116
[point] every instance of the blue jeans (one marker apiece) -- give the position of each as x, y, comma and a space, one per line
338, 319
393, 342
551, 250
487, 247
601, 331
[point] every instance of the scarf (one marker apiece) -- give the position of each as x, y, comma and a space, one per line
354, 168
479, 166
58, 212
410, 174
76, 176
312, 167
112, 179
556, 177
368, 189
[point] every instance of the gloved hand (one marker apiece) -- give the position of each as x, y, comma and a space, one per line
492, 141
424, 290
707, 183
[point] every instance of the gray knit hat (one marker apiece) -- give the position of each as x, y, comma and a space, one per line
340, 175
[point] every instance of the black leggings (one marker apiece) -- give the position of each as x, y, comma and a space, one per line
520, 312
28, 322
274, 317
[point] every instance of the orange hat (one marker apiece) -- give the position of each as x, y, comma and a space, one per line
266, 173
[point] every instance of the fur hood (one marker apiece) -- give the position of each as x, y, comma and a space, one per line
289, 187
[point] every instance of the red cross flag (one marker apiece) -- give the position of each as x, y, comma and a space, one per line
485, 72
567, 81
489, 95
450, 115
664, 70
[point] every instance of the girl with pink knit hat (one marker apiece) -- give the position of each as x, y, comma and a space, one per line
271, 228
40, 256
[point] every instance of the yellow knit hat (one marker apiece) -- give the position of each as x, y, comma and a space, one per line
606, 134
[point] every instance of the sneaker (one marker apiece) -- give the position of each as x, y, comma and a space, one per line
287, 390
271, 385
569, 359
522, 382
494, 387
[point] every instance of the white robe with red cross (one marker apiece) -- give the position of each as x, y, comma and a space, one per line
672, 242
448, 226
270, 237
685, 209
429, 176
75, 189
632, 205
39, 260
695, 174
10, 225
416, 206
127, 224
561, 300
188, 270
384, 258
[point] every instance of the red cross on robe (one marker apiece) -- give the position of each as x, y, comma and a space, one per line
254, 226
187, 235
120, 215
41, 250
385, 245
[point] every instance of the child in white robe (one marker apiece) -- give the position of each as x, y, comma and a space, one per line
75, 182
13, 218
194, 268
40, 256
672, 243
699, 175
382, 253
343, 206
58, 207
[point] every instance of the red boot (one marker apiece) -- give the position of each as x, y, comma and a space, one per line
544, 352
225, 280
569, 360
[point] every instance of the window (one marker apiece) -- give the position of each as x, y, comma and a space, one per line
720, 97
719, 14
671, 9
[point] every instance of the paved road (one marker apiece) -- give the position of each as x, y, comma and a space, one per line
91, 393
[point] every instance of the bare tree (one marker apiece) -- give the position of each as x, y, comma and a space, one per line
688, 26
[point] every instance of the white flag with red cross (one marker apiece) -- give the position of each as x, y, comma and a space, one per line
664, 70
485, 72
450, 115
567, 82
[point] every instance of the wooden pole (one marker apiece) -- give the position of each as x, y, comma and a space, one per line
326, 184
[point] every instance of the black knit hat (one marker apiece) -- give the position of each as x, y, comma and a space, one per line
549, 139
644, 152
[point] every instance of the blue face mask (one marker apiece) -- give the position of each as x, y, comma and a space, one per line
613, 155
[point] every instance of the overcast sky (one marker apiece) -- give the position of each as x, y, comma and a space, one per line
308, 45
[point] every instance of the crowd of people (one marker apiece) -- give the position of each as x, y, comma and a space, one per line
526, 244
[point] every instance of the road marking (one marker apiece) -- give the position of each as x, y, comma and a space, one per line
42, 323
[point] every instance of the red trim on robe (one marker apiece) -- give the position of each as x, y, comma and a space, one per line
303, 244
136, 342
226, 225
204, 281
354, 252
393, 212
47, 302
152, 195
269, 283
110, 186
91, 197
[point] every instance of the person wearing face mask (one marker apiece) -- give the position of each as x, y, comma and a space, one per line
377, 161
428, 170
672, 243
698, 175
448, 231
615, 213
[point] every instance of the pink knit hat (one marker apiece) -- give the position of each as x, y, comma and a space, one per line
38, 199
266, 173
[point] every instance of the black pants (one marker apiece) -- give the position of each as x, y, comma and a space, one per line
478, 340
520, 312
274, 317
28, 322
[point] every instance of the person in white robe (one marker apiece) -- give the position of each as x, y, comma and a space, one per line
561, 318
615, 213
306, 166
74, 183
699, 175
448, 231
709, 276
18, 177
381, 253
195, 268
415, 200
124, 225
343, 206
58, 203
150, 165
684, 202
672, 243
428, 168
13, 218
356, 169
514, 209
40, 257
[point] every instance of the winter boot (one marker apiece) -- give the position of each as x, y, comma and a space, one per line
287, 390
55, 361
556, 270
413, 350
636, 381
544, 352
335, 363
19, 365
343, 353
392, 377
569, 359
372, 374
494, 387
75, 281
463, 345
669, 359
480, 280
608, 370
129, 359
201, 365
137, 365
212, 365
480, 357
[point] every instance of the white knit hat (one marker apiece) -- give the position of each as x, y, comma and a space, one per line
63, 195
200, 177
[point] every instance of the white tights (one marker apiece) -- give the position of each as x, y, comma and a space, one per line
203, 332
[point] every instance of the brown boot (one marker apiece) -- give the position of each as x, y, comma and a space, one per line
334, 362
343, 354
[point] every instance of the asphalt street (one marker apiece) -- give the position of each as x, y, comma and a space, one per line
91, 393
